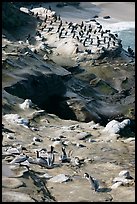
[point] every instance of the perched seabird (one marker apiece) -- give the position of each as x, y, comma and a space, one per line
45, 18
36, 139
98, 43
113, 43
104, 39
60, 34
84, 28
80, 33
90, 30
55, 19
108, 44
64, 158
70, 24
19, 159
50, 29
72, 29
77, 38
84, 43
93, 182
73, 34
88, 51
95, 31
41, 161
50, 156
82, 24
102, 33
78, 162
89, 26
130, 51
45, 25
116, 35
62, 29
36, 14
58, 30
91, 41
87, 32
38, 33
30, 12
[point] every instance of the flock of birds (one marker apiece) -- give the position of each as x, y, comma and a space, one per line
46, 159
90, 34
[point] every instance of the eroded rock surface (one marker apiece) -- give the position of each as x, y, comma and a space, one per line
71, 105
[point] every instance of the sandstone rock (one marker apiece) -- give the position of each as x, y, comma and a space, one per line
11, 182
13, 196
115, 126
15, 118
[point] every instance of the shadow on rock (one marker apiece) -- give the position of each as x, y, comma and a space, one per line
104, 190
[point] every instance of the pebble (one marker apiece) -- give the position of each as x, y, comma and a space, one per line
60, 178
83, 135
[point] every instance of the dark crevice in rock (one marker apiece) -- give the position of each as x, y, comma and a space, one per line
47, 92
58, 105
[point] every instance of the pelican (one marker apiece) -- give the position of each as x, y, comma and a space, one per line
50, 156
41, 161
64, 157
19, 159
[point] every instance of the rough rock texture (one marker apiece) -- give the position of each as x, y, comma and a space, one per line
67, 103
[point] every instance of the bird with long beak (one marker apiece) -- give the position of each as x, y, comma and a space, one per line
50, 156
64, 158
93, 182
19, 159
41, 161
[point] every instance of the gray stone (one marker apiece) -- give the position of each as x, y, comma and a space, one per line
13, 196
60, 178
115, 126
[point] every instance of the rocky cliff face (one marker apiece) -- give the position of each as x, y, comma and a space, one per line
68, 101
